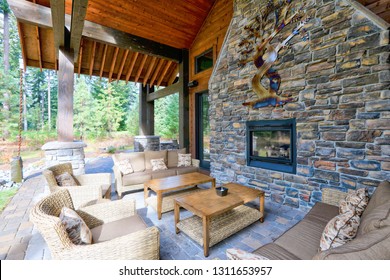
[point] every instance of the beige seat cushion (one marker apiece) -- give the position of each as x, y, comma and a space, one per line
322, 212
185, 170
173, 157
163, 173
118, 228
154, 155
137, 160
273, 251
136, 178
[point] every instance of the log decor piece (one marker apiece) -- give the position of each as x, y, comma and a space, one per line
257, 47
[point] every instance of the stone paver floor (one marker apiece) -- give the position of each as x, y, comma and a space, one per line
20, 240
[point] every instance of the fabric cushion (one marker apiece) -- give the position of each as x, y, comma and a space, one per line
322, 212
184, 160
158, 164
377, 219
122, 227
76, 228
356, 202
381, 195
185, 170
66, 180
238, 254
163, 173
154, 155
339, 230
273, 251
125, 166
136, 178
137, 160
173, 157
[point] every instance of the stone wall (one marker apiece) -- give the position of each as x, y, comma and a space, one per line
339, 80
146, 143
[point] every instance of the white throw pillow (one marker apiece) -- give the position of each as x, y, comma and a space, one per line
184, 160
356, 202
125, 167
76, 228
158, 164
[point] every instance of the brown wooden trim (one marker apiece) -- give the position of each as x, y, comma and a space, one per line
92, 60
23, 49
80, 58
103, 61
164, 72
113, 64
141, 66
79, 10
131, 67
158, 68
175, 88
122, 64
58, 22
150, 68
39, 47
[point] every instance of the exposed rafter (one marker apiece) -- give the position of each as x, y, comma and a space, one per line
79, 10
158, 68
173, 75
92, 59
103, 61
122, 64
113, 64
149, 71
141, 66
23, 49
131, 67
164, 72
80, 58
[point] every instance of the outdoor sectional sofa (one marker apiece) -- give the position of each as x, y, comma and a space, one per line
303, 240
140, 162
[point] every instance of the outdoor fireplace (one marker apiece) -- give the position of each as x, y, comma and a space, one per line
271, 144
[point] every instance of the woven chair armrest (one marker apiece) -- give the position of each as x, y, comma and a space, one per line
140, 245
99, 213
84, 194
118, 180
332, 196
94, 179
195, 162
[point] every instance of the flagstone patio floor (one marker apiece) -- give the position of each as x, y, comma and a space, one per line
20, 240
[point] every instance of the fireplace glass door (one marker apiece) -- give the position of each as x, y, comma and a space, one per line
203, 130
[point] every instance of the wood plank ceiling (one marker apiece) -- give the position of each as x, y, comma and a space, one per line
378, 7
170, 22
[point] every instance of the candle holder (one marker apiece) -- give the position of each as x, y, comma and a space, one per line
222, 191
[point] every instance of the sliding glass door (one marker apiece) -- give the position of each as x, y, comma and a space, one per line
203, 130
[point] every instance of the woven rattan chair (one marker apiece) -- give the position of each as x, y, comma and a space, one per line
93, 186
143, 244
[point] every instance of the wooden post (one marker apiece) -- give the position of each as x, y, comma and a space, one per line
65, 95
184, 131
146, 111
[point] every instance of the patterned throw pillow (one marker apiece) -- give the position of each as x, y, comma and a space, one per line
238, 254
184, 160
66, 180
356, 202
76, 228
158, 164
339, 230
125, 167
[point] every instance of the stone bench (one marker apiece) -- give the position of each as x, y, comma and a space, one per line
221, 226
168, 199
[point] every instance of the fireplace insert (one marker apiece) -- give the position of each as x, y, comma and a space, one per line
271, 144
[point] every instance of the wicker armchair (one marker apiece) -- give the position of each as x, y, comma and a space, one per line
143, 244
93, 186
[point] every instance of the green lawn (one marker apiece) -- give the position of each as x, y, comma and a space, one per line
5, 197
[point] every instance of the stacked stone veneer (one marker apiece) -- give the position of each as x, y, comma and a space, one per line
340, 80
146, 143
62, 152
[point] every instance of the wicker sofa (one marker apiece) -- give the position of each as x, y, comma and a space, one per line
140, 162
302, 241
118, 232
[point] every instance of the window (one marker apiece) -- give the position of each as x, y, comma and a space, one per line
204, 61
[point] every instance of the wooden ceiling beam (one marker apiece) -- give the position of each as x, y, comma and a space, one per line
113, 62
131, 67
149, 71
22, 46
141, 66
156, 71
92, 59
164, 72
58, 22
40, 15
80, 58
103, 61
79, 11
122, 65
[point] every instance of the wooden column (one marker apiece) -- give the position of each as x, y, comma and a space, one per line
65, 95
146, 111
184, 125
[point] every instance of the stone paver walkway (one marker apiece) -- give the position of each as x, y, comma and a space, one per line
20, 240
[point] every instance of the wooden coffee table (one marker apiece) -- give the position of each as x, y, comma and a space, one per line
174, 183
207, 204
